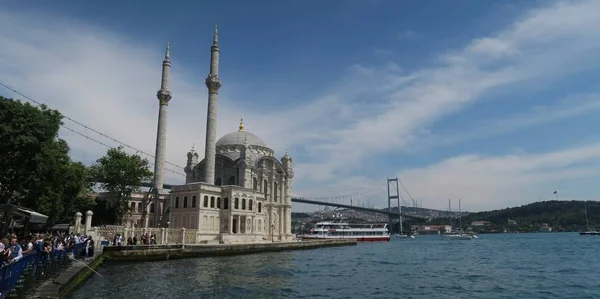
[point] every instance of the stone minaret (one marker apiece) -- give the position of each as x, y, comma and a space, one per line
213, 83
164, 96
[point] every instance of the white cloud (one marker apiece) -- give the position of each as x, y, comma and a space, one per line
482, 182
548, 43
109, 82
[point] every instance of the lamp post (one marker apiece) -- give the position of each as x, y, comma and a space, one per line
272, 233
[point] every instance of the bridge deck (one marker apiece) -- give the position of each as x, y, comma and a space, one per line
323, 203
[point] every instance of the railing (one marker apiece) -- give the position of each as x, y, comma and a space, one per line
18, 277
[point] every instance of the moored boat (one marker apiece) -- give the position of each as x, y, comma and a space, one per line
588, 232
343, 230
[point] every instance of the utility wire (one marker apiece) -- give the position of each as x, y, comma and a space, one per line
88, 128
104, 144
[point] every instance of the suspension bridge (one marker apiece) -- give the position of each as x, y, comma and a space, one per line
100, 138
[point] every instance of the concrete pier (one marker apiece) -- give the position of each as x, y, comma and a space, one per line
166, 252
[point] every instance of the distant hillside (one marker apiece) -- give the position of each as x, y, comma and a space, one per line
562, 215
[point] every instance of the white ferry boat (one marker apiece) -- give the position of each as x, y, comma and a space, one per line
342, 230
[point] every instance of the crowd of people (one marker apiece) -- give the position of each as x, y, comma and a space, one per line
12, 249
145, 239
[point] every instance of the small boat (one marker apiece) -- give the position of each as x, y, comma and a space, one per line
343, 230
588, 232
405, 236
459, 235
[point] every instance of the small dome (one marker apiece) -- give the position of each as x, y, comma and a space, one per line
238, 137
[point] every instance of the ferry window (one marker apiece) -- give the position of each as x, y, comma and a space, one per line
206, 201
212, 201
226, 204
194, 201
243, 203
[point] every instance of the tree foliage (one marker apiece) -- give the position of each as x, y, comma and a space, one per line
35, 168
121, 174
561, 215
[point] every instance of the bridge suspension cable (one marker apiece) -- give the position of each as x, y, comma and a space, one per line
348, 195
91, 129
404, 187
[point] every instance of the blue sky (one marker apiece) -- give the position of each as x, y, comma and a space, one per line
494, 103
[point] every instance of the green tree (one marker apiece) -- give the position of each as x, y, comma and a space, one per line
35, 168
121, 174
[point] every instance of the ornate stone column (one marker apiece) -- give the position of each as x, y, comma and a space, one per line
88, 221
281, 221
77, 227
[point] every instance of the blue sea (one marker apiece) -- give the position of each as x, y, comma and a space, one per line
541, 265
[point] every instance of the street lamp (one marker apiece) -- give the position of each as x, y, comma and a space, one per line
272, 233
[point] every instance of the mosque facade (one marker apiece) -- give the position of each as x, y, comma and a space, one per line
240, 192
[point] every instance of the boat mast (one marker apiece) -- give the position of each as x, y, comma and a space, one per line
587, 224
459, 217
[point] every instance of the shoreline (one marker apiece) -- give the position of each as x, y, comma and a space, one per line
75, 276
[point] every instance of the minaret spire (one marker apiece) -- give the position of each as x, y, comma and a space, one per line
213, 83
216, 36
164, 96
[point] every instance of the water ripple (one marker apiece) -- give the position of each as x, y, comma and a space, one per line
494, 266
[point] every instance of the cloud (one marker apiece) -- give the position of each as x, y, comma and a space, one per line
407, 34
560, 109
482, 182
565, 34
108, 81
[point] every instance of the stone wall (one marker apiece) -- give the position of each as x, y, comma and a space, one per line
165, 252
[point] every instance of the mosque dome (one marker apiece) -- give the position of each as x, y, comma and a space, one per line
238, 137
232, 144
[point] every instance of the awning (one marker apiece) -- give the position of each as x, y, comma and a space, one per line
34, 217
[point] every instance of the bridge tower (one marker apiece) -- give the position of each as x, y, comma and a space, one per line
393, 193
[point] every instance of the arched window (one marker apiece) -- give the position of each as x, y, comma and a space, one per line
236, 203
259, 207
218, 182
250, 204
206, 201
265, 187
185, 201
177, 202
194, 201
254, 184
152, 208
132, 206
218, 202
243, 203
231, 181
275, 191
226, 204
139, 209
212, 201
